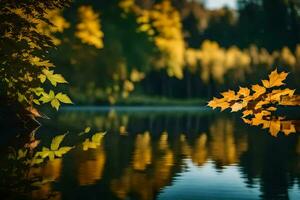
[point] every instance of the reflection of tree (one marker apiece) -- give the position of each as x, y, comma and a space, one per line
50, 172
140, 165
142, 154
274, 162
90, 167
141, 181
220, 145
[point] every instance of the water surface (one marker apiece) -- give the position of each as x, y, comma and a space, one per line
169, 153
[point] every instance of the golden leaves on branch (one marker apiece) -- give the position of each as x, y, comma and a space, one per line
259, 103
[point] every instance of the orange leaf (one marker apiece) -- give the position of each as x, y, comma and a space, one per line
275, 79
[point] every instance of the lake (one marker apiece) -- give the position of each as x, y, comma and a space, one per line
167, 153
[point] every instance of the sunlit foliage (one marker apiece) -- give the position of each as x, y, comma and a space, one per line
214, 62
162, 23
89, 27
259, 103
58, 25
24, 64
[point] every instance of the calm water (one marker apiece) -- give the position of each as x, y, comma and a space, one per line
169, 154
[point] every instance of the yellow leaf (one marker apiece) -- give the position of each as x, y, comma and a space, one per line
55, 103
277, 94
218, 103
61, 151
236, 107
288, 127
54, 78
97, 137
272, 108
87, 129
261, 103
247, 112
258, 90
63, 98
275, 79
47, 97
274, 127
230, 95
244, 91
56, 142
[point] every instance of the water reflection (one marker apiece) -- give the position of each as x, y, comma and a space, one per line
192, 155
90, 165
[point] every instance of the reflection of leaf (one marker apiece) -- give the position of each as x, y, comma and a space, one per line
86, 130
275, 79
94, 142
274, 127
288, 127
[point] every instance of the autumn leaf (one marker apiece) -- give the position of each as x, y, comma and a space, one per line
288, 127
247, 112
275, 79
55, 99
63, 98
259, 104
276, 95
244, 92
258, 90
230, 95
215, 103
53, 78
55, 150
274, 127
56, 142
94, 142
236, 107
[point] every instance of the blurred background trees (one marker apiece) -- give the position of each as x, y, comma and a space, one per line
110, 50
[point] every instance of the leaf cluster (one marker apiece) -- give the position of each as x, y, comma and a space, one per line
24, 49
259, 102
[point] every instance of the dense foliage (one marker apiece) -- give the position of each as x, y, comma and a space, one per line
260, 102
25, 40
